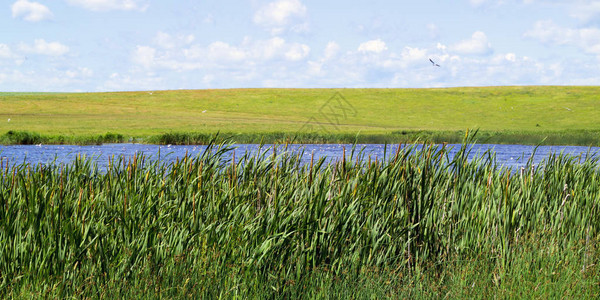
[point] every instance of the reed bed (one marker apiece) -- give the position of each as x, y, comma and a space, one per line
223, 224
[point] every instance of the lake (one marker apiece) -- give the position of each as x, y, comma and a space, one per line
508, 155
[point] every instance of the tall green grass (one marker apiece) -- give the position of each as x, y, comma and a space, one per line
226, 224
572, 137
32, 138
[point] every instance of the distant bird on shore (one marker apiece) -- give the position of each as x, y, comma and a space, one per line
433, 63
8, 120
203, 111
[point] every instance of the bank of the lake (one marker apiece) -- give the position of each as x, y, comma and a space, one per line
565, 137
557, 115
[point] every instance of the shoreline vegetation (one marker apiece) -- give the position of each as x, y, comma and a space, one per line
262, 226
548, 115
567, 138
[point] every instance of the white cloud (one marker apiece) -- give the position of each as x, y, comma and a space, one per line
165, 40
297, 52
510, 57
587, 39
223, 52
410, 67
40, 46
279, 15
30, 11
331, 50
144, 56
477, 45
52, 79
548, 32
279, 62
267, 49
315, 68
276, 49
5, 51
414, 54
220, 55
107, 5
373, 46
133, 81
79, 73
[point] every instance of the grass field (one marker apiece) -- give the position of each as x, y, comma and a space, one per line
563, 115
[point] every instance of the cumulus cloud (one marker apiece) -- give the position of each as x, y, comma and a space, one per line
144, 56
107, 5
52, 79
165, 40
120, 82
277, 62
372, 46
587, 39
411, 54
478, 44
266, 49
250, 51
80, 72
297, 52
281, 15
5, 51
30, 11
180, 61
219, 54
544, 31
510, 57
40, 46
331, 50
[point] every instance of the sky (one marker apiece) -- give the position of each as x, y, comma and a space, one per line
129, 45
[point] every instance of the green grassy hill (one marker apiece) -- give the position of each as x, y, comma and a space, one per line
562, 115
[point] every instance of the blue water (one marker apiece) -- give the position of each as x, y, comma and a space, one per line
508, 155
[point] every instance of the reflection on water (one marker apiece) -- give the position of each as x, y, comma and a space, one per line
508, 155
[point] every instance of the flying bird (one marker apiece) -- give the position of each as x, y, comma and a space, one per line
433, 63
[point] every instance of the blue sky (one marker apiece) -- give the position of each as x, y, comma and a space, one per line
121, 45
